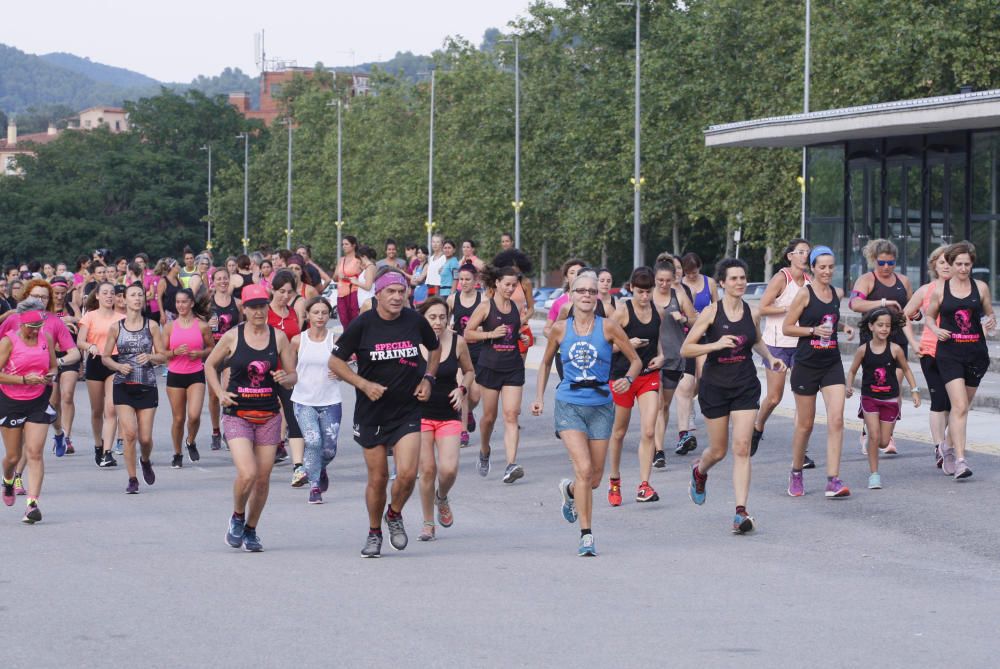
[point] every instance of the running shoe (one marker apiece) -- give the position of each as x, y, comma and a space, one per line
938, 455
875, 481
587, 547
863, 439
373, 546
891, 448
962, 470
19, 486
69, 446
754, 443
796, 488
315, 495
397, 533
463, 439
324, 480
108, 460
251, 542
743, 523
427, 533
568, 503
147, 471
659, 459
299, 477
193, 452
513, 472
948, 460
698, 481
445, 516
59, 444
98, 454
470, 424
237, 528
8, 493
686, 444
281, 454
615, 492
177, 462
32, 514
119, 446
133, 486
645, 493
835, 489
216, 441
807, 462
484, 464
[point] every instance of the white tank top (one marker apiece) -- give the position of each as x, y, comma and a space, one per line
771, 328
314, 386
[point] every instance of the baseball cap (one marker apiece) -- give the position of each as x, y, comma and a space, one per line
255, 296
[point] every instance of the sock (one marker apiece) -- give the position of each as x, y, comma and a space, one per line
377, 531
392, 515
250, 528
215, 432
8, 481
584, 532
297, 465
741, 509
239, 516
796, 471
569, 490
32, 501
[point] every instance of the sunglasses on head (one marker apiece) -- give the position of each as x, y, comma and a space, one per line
883, 263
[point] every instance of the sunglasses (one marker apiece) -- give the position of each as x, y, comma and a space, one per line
883, 263
585, 291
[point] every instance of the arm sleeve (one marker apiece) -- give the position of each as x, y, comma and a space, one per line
347, 344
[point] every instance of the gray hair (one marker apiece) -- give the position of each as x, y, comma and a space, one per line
587, 275
30, 304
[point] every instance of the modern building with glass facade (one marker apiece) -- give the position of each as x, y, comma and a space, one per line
920, 173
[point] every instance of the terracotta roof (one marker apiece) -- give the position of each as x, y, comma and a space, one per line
34, 138
115, 110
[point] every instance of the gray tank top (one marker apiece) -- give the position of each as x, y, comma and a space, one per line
672, 335
130, 345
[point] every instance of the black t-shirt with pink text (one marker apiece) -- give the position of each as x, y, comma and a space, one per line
388, 354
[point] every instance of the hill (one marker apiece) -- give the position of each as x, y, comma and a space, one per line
107, 74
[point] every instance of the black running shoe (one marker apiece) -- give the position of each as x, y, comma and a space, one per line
98, 454
108, 460
133, 487
808, 463
147, 471
251, 542
31, 514
216, 442
659, 459
281, 454
193, 452
755, 441
177, 462
324, 480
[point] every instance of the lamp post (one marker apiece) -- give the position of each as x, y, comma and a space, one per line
288, 213
805, 105
340, 175
637, 180
208, 218
245, 136
430, 171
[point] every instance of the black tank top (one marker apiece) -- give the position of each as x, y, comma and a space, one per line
229, 317
502, 354
636, 328
438, 405
895, 292
961, 316
878, 374
813, 351
731, 367
247, 280
250, 374
170, 296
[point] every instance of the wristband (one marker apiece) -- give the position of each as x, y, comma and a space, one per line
23, 381
465, 391
629, 379
883, 303
915, 390
430, 378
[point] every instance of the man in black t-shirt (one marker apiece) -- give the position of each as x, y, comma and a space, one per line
391, 381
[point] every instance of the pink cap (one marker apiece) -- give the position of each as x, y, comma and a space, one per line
255, 296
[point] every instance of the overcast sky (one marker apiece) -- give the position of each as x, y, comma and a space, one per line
180, 39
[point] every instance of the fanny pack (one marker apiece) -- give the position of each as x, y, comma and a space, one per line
601, 387
255, 416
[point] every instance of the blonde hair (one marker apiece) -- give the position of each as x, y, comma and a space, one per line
933, 258
877, 247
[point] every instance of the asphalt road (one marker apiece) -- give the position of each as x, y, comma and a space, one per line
902, 577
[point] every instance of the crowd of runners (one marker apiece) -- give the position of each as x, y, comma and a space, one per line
436, 335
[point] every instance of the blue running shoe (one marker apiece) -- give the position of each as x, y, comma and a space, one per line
587, 546
743, 523
59, 444
698, 481
237, 528
568, 505
251, 543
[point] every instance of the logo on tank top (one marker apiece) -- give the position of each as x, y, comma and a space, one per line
257, 371
881, 382
583, 355
737, 353
963, 319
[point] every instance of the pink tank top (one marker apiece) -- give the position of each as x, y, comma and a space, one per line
928, 342
192, 337
26, 360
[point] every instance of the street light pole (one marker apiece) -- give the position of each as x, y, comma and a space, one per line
802, 226
208, 219
340, 174
246, 179
430, 171
517, 143
637, 180
288, 220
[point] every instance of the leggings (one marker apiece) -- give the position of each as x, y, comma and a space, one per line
320, 427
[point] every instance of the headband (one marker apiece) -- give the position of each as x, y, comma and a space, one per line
819, 251
388, 279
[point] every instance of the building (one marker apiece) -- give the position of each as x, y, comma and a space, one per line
13, 145
113, 118
273, 82
920, 173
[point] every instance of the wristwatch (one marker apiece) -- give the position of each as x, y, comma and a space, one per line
629, 379
430, 378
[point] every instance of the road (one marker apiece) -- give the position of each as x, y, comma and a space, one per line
902, 577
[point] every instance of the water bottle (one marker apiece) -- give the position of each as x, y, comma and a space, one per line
827, 320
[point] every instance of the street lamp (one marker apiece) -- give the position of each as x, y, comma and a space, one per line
517, 203
430, 171
806, 110
288, 219
245, 136
340, 175
637, 180
208, 219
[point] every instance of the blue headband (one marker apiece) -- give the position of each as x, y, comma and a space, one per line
819, 251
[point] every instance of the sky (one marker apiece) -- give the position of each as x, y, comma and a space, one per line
180, 39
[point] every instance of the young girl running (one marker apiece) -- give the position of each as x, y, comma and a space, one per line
878, 360
189, 342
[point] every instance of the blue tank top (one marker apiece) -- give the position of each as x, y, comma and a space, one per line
704, 296
586, 366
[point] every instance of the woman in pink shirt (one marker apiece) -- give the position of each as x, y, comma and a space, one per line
90, 338
28, 361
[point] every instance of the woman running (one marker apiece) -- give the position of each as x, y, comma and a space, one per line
189, 341
139, 347
391, 382
879, 359
166, 290
242, 277
522, 296
966, 310
584, 414
284, 316
778, 297
640, 320
266, 273
316, 396
364, 281
348, 267
501, 368
28, 364
91, 338
461, 305
259, 358
726, 333
225, 315
64, 393
570, 269
939, 270
440, 422
814, 317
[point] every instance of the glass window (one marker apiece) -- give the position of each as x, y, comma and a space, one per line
825, 194
864, 212
985, 173
830, 233
986, 237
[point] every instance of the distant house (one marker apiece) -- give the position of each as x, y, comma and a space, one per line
271, 85
113, 118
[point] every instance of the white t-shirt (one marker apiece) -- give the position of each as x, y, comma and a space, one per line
434, 266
